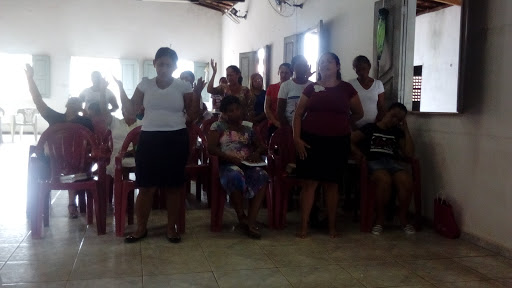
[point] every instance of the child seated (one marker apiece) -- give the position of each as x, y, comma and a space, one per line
233, 142
384, 145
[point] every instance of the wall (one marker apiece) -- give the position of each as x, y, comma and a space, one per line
347, 23
436, 47
468, 156
113, 29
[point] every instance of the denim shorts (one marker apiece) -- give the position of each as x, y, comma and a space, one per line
390, 165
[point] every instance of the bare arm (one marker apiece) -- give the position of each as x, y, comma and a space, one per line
192, 100
281, 112
406, 144
381, 110
210, 89
297, 126
270, 116
355, 138
356, 108
36, 96
214, 148
135, 103
113, 102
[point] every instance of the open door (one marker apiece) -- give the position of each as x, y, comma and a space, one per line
395, 66
248, 65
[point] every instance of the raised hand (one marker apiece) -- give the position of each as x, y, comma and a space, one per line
199, 86
29, 71
214, 66
118, 82
309, 73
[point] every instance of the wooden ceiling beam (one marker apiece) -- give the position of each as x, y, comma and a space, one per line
451, 2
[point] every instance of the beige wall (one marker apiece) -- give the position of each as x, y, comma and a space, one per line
468, 156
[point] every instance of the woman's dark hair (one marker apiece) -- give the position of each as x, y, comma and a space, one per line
336, 59
94, 108
222, 78
166, 52
237, 71
398, 105
189, 74
361, 60
228, 101
296, 59
287, 65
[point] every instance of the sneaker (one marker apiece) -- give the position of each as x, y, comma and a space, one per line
377, 229
409, 229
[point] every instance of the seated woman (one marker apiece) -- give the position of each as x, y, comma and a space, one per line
233, 143
384, 145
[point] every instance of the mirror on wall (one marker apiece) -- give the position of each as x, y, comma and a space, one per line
419, 52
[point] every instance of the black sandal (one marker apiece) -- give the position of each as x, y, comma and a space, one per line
253, 233
133, 239
174, 239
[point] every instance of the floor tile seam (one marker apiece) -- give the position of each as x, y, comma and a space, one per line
77, 253
209, 264
474, 270
485, 277
17, 246
413, 272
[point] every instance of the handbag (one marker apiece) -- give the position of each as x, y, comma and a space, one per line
444, 220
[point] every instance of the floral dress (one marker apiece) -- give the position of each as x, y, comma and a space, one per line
247, 180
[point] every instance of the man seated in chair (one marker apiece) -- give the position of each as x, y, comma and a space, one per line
73, 108
384, 145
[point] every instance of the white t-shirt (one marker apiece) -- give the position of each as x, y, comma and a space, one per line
164, 108
291, 91
368, 99
91, 96
119, 130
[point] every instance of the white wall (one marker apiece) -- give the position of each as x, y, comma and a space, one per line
348, 23
127, 29
468, 156
436, 47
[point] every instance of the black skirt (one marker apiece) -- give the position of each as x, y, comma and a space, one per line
326, 160
161, 158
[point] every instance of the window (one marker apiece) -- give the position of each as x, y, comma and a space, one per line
13, 81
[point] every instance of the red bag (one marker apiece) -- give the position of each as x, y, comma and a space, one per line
444, 220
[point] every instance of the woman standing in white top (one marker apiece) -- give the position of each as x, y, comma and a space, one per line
371, 91
291, 90
162, 151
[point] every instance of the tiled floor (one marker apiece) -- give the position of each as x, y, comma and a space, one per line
72, 255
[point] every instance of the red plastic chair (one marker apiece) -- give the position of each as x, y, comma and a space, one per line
198, 167
367, 190
261, 130
205, 126
281, 152
219, 198
72, 150
124, 188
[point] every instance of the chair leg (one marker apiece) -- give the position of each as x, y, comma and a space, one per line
100, 211
36, 216
90, 207
46, 219
270, 206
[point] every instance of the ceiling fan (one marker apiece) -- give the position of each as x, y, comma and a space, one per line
285, 8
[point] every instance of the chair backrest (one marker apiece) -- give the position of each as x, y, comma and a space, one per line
72, 148
281, 145
205, 126
131, 139
29, 115
198, 146
261, 131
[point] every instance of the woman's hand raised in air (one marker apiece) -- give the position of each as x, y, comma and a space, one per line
199, 86
213, 64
